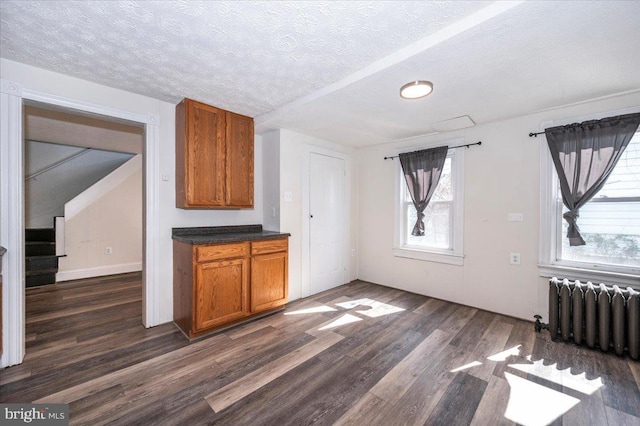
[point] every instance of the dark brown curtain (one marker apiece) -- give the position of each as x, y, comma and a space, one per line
584, 155
422, 171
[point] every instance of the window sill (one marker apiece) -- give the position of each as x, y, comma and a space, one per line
595, 276
430, 256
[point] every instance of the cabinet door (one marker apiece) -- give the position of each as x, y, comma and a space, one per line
204, 155
239, 156
221, 292
269, 284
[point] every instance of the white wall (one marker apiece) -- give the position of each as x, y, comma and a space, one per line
271, 180
46, 193
38, 209
113, 220
293, 147
40, 155
501, 176
37, 79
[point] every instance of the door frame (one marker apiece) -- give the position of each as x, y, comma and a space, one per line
12, 97
306, 235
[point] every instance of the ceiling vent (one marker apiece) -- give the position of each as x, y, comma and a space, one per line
456, 123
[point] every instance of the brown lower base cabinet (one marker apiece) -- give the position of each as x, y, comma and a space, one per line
217, 285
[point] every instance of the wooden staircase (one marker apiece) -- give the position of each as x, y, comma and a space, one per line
41, 262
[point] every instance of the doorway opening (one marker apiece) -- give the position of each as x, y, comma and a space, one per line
83, 220
14, 97
83, 195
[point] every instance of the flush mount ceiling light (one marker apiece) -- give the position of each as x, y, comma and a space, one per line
416, 89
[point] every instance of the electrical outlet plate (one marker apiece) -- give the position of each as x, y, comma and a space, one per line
108, 250
515, 217
514, 258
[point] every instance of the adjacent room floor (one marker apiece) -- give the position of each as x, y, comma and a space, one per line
357, 354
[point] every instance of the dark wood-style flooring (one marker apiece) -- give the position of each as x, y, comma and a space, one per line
360, 354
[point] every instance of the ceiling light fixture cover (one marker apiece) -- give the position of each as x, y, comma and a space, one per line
416, 89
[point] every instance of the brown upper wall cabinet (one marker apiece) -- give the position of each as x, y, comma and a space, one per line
214, 158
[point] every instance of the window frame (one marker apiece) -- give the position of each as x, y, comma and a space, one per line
551, 207
454, 255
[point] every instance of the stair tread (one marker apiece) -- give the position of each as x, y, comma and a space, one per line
40, 234
39, 280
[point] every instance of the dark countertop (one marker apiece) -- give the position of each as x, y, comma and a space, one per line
224, 234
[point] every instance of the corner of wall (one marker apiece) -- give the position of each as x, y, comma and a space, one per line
271, 180
111, 218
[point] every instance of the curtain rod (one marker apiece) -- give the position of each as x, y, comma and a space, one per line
615, 117
450, 147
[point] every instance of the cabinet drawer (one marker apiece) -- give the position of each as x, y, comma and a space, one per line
221, 251
269, 246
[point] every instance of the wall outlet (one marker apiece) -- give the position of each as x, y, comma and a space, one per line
515, 217
273, 212
288, 196
514, 258
108, 250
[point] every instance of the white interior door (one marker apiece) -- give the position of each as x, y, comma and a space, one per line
327, 219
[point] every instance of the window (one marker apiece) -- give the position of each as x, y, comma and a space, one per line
438, 214
442, 241
609, 224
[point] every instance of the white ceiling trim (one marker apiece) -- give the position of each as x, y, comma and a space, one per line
585, 101
509, 117
397, 57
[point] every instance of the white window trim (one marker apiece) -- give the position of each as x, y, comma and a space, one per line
551, 222
454, 256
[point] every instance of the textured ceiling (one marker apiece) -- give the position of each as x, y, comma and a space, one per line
248, 57
65, 128
533, 57
332, 69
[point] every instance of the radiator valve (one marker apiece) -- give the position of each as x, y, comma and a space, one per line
540, 325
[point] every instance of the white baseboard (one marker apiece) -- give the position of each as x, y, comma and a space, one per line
99, 271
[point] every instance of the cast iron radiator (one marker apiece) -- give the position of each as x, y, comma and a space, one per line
597, 315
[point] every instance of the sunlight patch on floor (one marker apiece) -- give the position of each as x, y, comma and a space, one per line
345, 319
577, 382
498, 357
531, 404
314, 310
466, 366
502, 356
378, 309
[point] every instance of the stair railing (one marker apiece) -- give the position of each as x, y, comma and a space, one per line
59, 163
